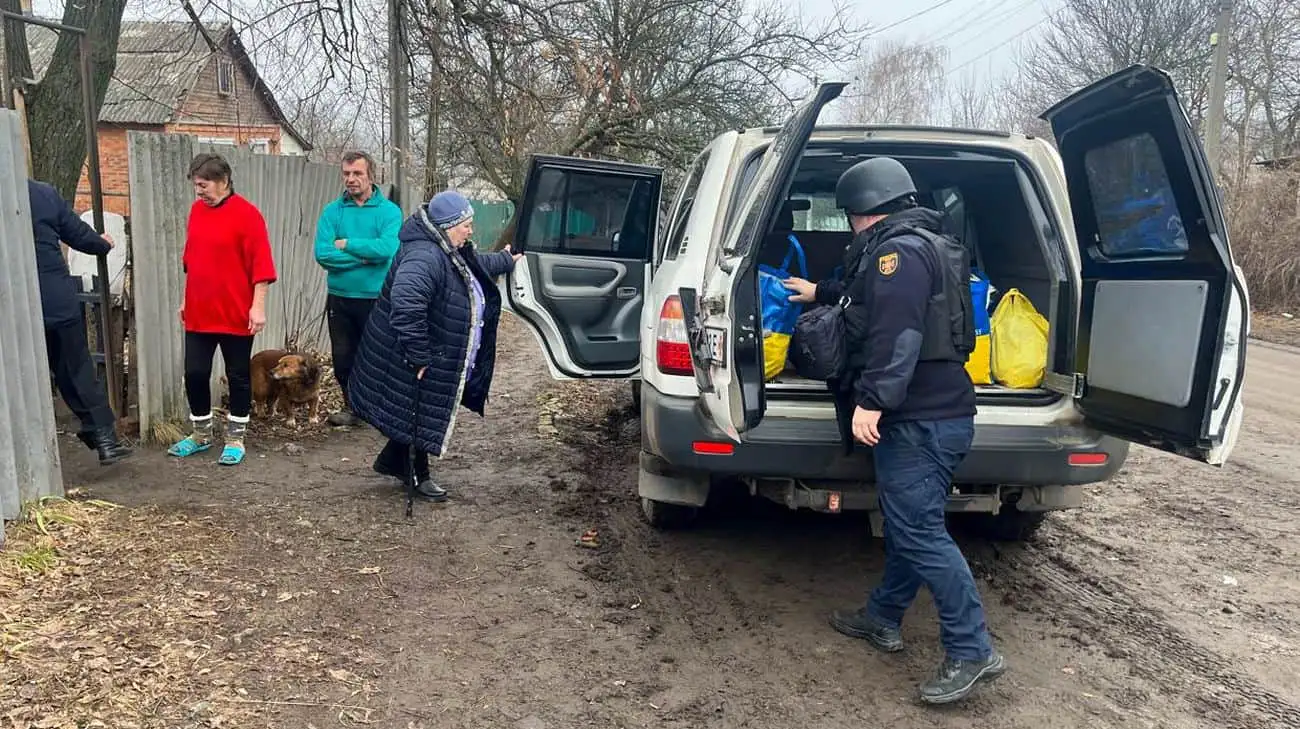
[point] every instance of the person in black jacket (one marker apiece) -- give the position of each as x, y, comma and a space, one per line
65, 327
909, 332
430, 340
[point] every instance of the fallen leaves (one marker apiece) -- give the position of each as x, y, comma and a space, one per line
135, 619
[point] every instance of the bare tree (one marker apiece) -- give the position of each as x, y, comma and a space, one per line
55, 112
897, 82
971, 103
1093, 38
646, 80
1265, 114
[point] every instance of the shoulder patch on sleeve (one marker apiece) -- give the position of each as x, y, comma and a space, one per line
888, 264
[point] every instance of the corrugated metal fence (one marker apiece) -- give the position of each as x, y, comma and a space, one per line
29, 451
290, 192
490, 219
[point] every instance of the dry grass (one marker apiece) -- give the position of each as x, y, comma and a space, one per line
1264, 222
121, 618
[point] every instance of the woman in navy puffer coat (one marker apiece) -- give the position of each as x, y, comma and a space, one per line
434, 328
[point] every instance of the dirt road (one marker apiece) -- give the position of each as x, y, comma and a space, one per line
1172, 600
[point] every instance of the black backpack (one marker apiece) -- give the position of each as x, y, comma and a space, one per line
818, 349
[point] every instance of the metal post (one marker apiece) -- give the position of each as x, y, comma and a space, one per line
399, 102
97, 212
1218, 87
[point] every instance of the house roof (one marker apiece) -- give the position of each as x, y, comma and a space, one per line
158, 62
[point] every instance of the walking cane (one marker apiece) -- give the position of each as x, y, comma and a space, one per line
412, 480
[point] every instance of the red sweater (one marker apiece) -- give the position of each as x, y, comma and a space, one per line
227, 253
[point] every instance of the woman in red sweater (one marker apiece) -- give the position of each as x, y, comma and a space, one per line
228, 269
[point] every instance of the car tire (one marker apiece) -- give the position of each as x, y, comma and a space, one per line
1008, 525
636, 396
661, 515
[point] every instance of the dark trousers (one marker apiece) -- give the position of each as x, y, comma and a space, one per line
914, 466
74, 375
347, 323
395, 458
236, 352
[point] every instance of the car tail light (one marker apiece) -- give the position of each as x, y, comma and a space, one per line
672, 346
1087, 459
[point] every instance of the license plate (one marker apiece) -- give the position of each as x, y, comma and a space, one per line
717, 340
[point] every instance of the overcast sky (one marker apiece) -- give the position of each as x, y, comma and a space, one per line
982, 35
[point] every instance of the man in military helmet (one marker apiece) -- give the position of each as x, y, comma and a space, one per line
906, 394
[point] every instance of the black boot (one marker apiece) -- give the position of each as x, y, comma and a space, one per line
859, 624
429, 489
393, 461
956, 679
111, 450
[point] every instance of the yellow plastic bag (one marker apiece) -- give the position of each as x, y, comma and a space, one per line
979, 365
775, 348
1019, 342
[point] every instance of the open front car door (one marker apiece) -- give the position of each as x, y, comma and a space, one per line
1161, 344
723, 319
586, 229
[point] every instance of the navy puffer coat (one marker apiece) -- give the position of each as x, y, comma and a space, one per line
423, 318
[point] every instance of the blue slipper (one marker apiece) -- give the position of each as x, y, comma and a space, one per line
187, 447
231, 455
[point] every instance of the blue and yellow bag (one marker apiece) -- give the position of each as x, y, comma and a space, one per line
979, 365
778, 311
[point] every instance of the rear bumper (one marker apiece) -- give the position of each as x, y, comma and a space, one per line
811, 449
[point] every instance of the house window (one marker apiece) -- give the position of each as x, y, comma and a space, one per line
225, 77
260, 146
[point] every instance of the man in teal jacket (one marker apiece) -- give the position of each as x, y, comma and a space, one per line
356, 239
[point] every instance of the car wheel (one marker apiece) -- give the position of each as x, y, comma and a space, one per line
661, 515
636, 396
1008, 525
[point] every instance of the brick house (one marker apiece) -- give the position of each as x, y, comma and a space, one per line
168, 79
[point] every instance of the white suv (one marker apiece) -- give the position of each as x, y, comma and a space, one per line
1118, 239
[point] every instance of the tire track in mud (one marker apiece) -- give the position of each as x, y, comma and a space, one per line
1065, 591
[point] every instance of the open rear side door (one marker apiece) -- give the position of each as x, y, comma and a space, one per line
723, 318
586, 229
1162, 328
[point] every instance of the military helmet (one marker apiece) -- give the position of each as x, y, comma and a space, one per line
871, 183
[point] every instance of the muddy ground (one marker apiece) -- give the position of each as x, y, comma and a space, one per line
291, 592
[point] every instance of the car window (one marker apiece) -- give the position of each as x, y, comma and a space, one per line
1137, 214
677, 228
587, 213
821, 215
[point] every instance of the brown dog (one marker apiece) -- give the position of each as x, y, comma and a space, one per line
282, 380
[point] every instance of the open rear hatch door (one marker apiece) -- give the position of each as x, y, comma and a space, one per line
1161, 353
722, 319
586, 229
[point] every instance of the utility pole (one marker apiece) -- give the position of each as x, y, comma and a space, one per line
432, 177
399, 103
1218, 86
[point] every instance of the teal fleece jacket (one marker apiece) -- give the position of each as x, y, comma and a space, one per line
358, 271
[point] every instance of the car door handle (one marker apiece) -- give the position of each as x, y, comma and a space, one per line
626, 292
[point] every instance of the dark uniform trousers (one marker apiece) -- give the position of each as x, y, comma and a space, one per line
915, 461
74, 375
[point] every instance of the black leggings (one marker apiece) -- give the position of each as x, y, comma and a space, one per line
236, 351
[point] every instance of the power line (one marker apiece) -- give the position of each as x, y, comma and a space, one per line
967, 20
992, 18
998, 46
913, 16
